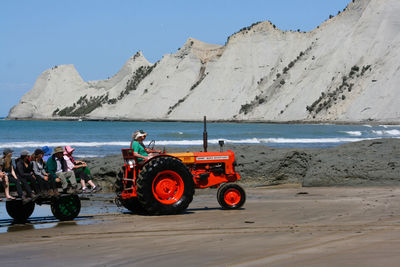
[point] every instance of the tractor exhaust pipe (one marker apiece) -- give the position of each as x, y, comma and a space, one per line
205, 137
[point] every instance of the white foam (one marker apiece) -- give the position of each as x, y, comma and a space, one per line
62, 144
264, 140
353, 133
311, 140
87, 156
197, 142
393, 132
389, 126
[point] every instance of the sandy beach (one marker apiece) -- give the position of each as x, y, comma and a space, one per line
278, 226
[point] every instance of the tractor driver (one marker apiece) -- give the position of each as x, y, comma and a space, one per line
141, 152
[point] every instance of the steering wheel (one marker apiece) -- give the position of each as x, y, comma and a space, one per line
151, 144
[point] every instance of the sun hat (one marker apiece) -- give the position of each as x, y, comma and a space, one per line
25, 153
46, 150
139, 133
58, 150
38, 151
7, 151
68, 150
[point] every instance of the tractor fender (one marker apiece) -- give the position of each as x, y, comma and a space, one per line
158, 156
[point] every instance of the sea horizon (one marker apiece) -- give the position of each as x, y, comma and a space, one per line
102, 138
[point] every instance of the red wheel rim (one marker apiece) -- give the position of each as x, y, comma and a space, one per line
168, 187
232, 197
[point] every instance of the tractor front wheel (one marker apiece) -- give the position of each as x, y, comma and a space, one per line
66, 208
165, 186
20, 211
231, 196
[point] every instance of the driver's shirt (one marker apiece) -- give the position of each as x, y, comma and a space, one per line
138, 148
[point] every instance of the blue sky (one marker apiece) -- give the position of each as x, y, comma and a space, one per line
98, 36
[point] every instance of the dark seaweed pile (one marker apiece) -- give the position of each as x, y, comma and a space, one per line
366, 163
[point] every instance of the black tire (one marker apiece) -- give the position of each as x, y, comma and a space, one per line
66, 208
19, 211
133, 205
231, 196
219, 191
172, 176
118, 184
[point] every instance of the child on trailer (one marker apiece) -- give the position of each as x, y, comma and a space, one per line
81, 170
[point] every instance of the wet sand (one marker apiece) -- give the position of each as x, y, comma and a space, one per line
97, 203
286, 226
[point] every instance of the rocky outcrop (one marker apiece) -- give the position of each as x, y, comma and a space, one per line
345, 70
365, 163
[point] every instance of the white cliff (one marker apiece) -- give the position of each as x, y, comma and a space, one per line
346, 70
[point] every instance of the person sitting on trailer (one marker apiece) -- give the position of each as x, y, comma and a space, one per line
57, 168
81, 170
42, 177
25, 174
141, 151
7, 168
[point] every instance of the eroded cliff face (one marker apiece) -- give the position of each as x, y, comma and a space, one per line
345, 70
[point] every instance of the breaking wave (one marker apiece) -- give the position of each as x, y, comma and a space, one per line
54, 144
393, 132
262, 141
88, 156
353, 133
196, 142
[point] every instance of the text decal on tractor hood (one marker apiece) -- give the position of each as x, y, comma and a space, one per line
213, 158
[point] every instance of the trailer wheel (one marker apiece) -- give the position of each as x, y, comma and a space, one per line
231, 196
19, 211
165, 186
66, 208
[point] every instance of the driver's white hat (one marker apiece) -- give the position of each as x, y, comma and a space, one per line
139, 133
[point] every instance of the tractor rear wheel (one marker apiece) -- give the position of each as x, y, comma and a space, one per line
231, 196
66, 208
19, 211
133, 205
165, 186
118, 184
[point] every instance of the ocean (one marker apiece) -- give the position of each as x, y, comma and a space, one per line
102, 138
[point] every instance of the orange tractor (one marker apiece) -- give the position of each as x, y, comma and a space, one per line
165, 184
